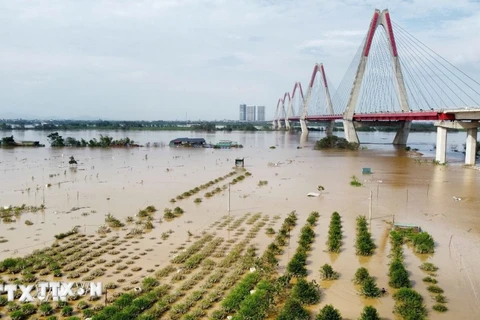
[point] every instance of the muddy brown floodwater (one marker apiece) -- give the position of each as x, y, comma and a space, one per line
123, 181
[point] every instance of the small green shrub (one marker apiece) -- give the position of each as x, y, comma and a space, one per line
430, 280
427, 266
296, 266
440, 308
67, 311
354, 182
270, 231
361, 275
423, 242
327, 272
329, 313
45, 309
306, 292
440, 298
293, 310
435, 289
409, 304
398, 275
369, 288
369, 313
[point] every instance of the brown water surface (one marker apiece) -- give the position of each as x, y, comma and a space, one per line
123, 181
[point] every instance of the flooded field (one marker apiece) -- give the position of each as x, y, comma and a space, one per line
120, 183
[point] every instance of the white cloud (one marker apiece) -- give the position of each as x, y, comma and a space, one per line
210, 54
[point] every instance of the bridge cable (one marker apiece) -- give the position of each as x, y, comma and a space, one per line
438, 62
442, 58
423, 74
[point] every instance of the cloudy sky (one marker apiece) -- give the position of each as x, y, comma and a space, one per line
172, 59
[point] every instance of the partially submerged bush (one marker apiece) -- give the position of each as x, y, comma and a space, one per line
334, 142
329, 313
293, 310
369, 313
364, 243
334, 241
427, 266
327, 272
306, 292
369, 288
361, 275
409, 304
440, 308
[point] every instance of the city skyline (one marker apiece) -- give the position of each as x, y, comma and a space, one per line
110, 60
251, 113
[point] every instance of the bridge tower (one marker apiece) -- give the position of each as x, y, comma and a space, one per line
290, 110
317, 69
380, 18
276, 119
284, 114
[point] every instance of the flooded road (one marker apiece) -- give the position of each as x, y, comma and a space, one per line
123, 181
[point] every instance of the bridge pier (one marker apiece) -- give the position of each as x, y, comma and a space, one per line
279, 124
329, 128
471, 141
471, 146
402, 133
287, 124
350, 132
303, 125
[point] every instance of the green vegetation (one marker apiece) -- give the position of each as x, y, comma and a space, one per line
293, 310
113, 222
334, 241
66, 234
409, 304
334, 142
256, 305
435, 289
364, 243
262, 183
429, 280
369, 288
306, 292
440, 308
369, 313
329, 313
361, 275
296, 266
398, 275
427, 266
233, 300
354, 182
327, 272
57, 140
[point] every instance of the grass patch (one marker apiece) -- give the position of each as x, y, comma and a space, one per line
440, 308
429, 267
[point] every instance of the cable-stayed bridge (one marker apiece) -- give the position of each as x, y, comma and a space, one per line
393, 79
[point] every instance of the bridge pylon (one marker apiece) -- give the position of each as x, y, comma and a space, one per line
317, 69
380, 18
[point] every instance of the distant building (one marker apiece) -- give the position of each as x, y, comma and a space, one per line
251, 113
243, 112
261, 113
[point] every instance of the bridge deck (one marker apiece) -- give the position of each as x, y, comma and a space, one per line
388, 116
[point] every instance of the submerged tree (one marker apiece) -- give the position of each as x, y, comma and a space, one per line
72, 160
56, 140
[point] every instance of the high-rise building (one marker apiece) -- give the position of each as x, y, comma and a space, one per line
261, 113
243, 112
251, 114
